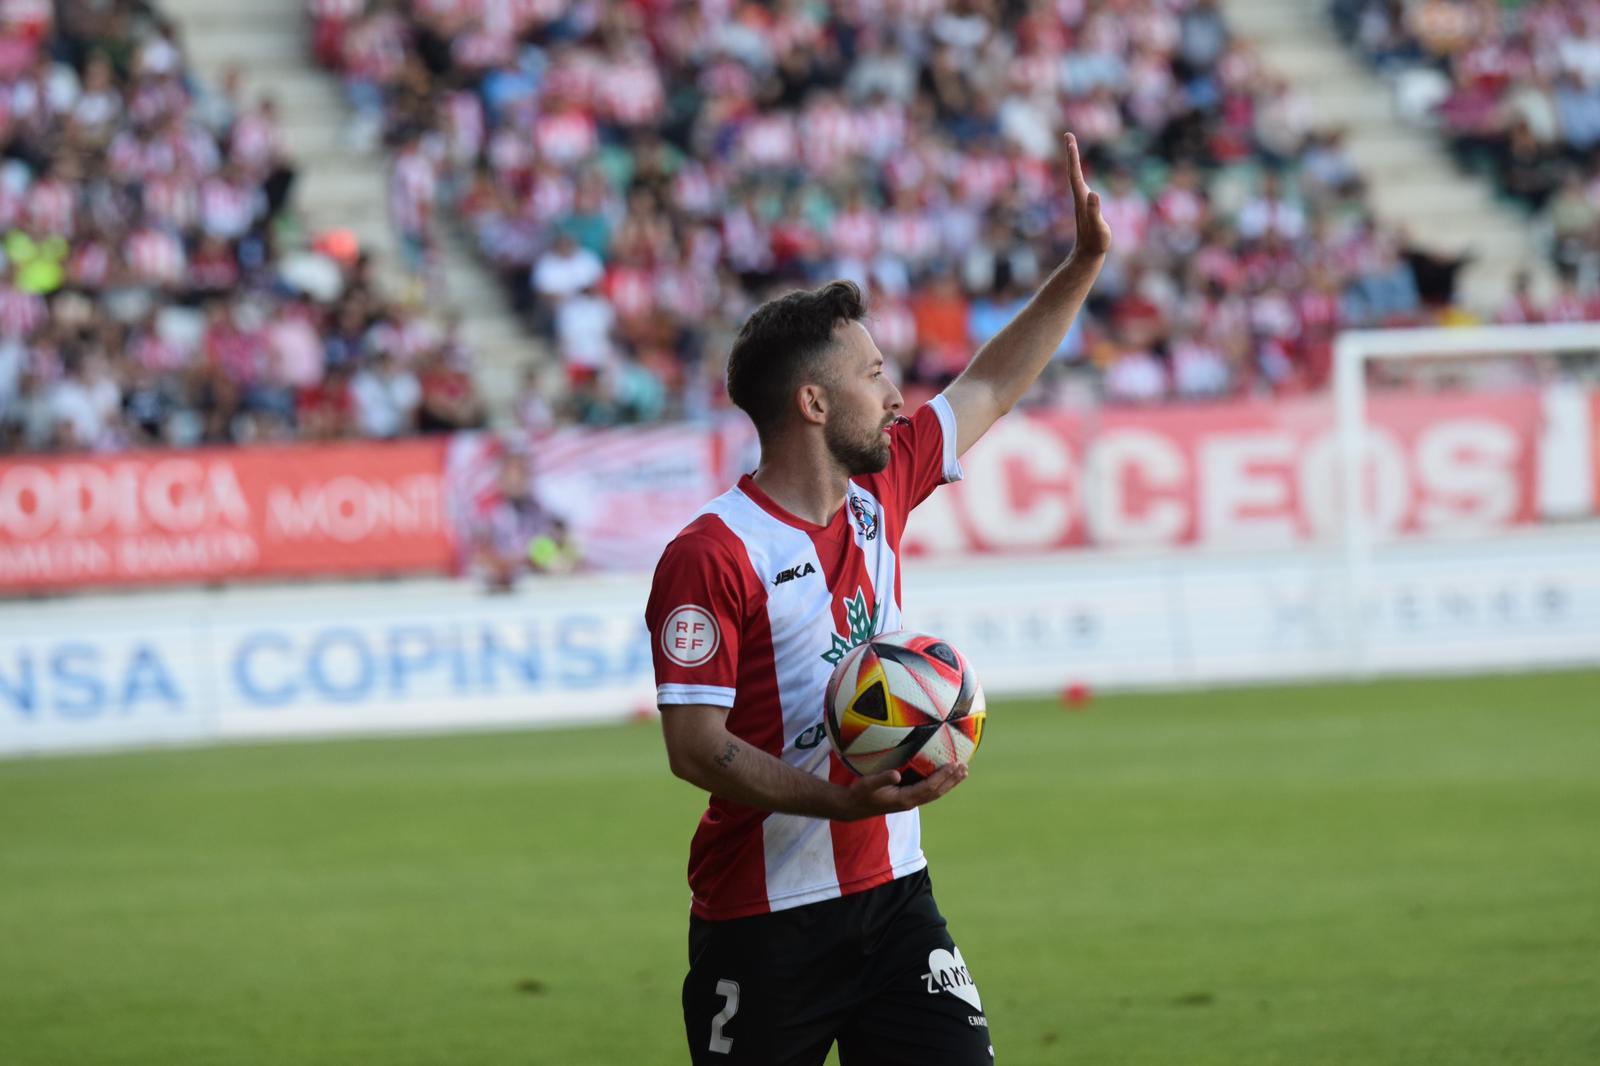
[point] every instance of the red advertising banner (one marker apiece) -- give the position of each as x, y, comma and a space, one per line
146, 517
622, 493
1229, 475
1235, 475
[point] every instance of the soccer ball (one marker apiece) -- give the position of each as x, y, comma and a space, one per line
903, 701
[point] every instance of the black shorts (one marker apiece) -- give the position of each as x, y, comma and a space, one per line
876, 971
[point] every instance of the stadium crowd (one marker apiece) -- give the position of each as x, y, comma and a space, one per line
1515, 91
150, 289
641, 173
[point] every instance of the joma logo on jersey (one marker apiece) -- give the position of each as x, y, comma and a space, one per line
864, 625
793, 572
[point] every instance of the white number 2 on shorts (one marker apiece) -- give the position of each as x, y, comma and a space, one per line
729, 991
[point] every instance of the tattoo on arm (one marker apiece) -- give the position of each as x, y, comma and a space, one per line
728, 754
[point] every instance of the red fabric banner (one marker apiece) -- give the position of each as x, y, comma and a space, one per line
1231, 475
1235, 475
175, 516
622, 493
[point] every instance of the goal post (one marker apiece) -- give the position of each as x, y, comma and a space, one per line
1353, 351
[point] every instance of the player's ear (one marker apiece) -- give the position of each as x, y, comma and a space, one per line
811, 400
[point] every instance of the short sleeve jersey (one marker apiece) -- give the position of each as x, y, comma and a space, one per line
750, 609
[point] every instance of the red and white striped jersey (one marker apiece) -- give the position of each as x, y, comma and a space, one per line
572, 77
255, 142
881, 129
769, 141
982, 177
690, 291
630, 92
171, 201
1035, 73
631, 289
52, 207
480, 50
228, 208
464, 124
413, 187
894, 327
854, 233
335, 9
909, 235
565, 137
829, 136
696, 190
550, 194
20, 313
154, 256
750, 609
375, 50
89, 265
1129, 213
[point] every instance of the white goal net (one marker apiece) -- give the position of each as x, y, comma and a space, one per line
1550, 368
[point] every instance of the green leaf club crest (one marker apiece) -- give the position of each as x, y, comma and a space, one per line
863, 619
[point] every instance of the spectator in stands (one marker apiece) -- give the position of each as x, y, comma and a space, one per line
563, 271
586, 326
1529, 172
516, 534
143, 298
386, 396
413, 192
1575, 224
1577, 113
448, 401
1521, 102
779, 146
1203, 39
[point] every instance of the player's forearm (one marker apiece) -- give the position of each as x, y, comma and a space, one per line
1013, 359
729, 767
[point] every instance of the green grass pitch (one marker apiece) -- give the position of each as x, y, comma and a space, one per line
1397, 872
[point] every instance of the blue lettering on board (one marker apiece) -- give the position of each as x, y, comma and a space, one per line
82, 681
254, 651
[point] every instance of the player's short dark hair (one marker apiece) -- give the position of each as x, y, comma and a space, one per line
781, 346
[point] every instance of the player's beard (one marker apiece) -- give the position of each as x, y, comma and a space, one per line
859, 449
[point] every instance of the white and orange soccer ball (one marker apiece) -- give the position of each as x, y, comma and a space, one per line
903, 701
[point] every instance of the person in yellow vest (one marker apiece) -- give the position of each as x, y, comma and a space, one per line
38, 266
517, 535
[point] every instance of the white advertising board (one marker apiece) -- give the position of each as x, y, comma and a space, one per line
1517, 601
129, 671
296, 662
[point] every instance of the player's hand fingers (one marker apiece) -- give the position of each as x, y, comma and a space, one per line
1080, 187
1094, 235
874, 794
936, 784
874, 782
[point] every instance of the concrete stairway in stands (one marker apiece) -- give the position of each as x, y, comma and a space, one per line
1410, 176
341, 184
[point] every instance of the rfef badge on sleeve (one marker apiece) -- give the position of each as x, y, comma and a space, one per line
690, 636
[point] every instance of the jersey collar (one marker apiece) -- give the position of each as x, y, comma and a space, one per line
748, 486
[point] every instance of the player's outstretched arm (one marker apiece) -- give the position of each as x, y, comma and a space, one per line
1007, 365
702, 751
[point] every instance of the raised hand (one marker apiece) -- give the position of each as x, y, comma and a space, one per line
1094, 235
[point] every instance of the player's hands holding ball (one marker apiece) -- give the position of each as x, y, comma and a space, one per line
884, 794
905, 712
